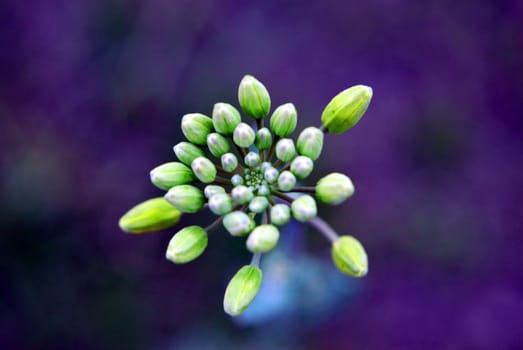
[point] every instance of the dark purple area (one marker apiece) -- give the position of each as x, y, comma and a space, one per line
91, 96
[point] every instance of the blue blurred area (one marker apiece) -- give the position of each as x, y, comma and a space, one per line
91, 96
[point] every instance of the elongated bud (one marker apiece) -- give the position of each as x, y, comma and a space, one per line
263, 139
243, 135
196, 127
310, 142
302, 166
152, 215
304, 208
241, 194
220, 204
186, 198
218, 145
236, 180
242, 289
349, 256
254, 97
334, 188
280, 214
346, 109
285, 150
238, 223
171, 174
186, 245
252, 159
258, 204
229, 162
225, 118
271, 175
211, 190
284, 120
286, 181
186, 152
204, 169
263, 239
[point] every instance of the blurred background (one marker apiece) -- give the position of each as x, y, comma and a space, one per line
91, 96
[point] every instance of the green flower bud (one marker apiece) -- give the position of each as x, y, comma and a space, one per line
186, 245
284, 120
186, 152
349, 256
266, 165
264, 190
241, 194
242, 289
286, 181
238, 223
304, 208
204, 169
258, 204
218, 145
346, 109
254, 97
263, 139
236, 180
196, 127
252, 159
280, 214
302, 166
152, 215
225, 118
263, 239
271, 175
220, 204
187, 198
171, 174
334, 188
243, 135
229, 162
211, 190
285, 150
310, 142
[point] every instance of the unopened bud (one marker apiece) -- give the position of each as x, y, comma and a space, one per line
186, 245
285, 150
349, 256
302, 166
263, 139
243, 135
229, 162
225, 118
310, 142
187, 198
284, 120
252, 159
334, 188
218, 145
241, 194
304, 208
211, 190
286, 181
254, 97
271, 175
171, 174
280, 214
186, 152
238, 223
196, 127
220, 204
346, 109
242, 289
258, 204
204, 169
152, 215
236, 180
263, 239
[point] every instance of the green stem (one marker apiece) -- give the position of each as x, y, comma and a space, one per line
324, 229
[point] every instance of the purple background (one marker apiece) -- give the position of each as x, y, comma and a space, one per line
91, 96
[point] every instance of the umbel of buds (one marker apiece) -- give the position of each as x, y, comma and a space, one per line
250, 175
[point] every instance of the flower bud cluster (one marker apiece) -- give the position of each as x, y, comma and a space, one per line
250, 175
